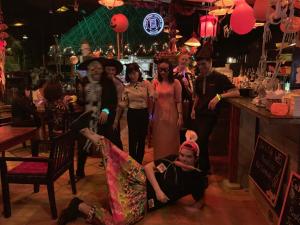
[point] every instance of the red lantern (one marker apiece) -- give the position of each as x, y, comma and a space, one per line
242, 19
208, 26
119, 23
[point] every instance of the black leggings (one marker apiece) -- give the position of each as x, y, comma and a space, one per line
138, 120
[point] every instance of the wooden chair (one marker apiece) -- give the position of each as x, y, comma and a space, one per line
40, 170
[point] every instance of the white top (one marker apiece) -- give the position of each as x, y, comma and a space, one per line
136, 96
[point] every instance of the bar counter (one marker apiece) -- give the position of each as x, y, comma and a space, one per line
247, 122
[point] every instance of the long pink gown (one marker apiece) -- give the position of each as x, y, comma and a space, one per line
165, 130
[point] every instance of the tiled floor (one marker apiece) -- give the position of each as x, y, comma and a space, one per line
223, 206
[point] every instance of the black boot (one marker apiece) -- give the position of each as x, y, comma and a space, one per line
82, 121
70, 213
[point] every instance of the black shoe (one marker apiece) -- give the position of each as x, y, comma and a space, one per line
82, 121
70, 213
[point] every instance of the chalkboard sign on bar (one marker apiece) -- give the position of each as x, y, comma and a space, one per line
290, 212
267, 169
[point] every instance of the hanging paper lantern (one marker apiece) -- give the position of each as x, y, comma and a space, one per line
290, 25
2, 44
3, 26
110, 4
242, 19
208, 26
261, 9
119, 23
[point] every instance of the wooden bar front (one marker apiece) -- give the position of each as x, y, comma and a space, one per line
247, 122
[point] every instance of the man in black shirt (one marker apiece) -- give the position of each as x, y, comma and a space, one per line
210, 88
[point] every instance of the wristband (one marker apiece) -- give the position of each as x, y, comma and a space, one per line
219, 97
106, 110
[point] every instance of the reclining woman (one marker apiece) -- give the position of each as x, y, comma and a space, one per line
167, 180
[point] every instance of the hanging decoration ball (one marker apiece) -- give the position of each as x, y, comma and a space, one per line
119, 23
242, 19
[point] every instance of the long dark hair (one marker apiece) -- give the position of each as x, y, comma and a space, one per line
133, 67
170, 73
53, 91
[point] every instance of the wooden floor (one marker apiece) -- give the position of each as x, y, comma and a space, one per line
223, 206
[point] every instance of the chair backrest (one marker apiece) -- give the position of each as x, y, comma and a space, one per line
62, 153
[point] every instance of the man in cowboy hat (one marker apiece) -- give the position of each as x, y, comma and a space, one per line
99, 96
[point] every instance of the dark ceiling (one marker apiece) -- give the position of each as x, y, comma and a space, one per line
41, 23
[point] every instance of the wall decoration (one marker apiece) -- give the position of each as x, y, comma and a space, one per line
153, 24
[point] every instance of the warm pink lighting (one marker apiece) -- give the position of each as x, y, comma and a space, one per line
208, 26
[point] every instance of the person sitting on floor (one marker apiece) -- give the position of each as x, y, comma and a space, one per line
168, 179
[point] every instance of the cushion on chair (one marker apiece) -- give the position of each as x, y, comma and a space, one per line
30, 168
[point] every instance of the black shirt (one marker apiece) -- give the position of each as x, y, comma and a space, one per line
175, 182
186, 94
206, 89
24, 112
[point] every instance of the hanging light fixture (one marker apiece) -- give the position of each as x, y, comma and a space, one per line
208, 26
193, 41
220, 12
224, 3
110, 4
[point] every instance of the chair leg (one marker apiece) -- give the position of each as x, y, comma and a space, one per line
51, 196
72, 179
36, 188
6, 198
5, 193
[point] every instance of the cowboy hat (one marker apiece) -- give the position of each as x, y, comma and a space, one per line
84, 65
115, 63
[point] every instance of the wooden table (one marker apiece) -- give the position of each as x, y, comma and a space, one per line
11, 136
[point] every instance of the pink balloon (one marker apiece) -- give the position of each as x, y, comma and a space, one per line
261, 9
119, 23
242, 19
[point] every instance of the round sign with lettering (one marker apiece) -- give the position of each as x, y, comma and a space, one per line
153, 24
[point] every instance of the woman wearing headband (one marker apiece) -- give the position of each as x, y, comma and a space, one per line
168, 179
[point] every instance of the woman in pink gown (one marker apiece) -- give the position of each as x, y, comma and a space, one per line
167, 118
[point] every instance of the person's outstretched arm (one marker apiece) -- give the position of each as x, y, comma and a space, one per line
160, 195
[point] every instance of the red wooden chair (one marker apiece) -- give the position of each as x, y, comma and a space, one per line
40, 170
